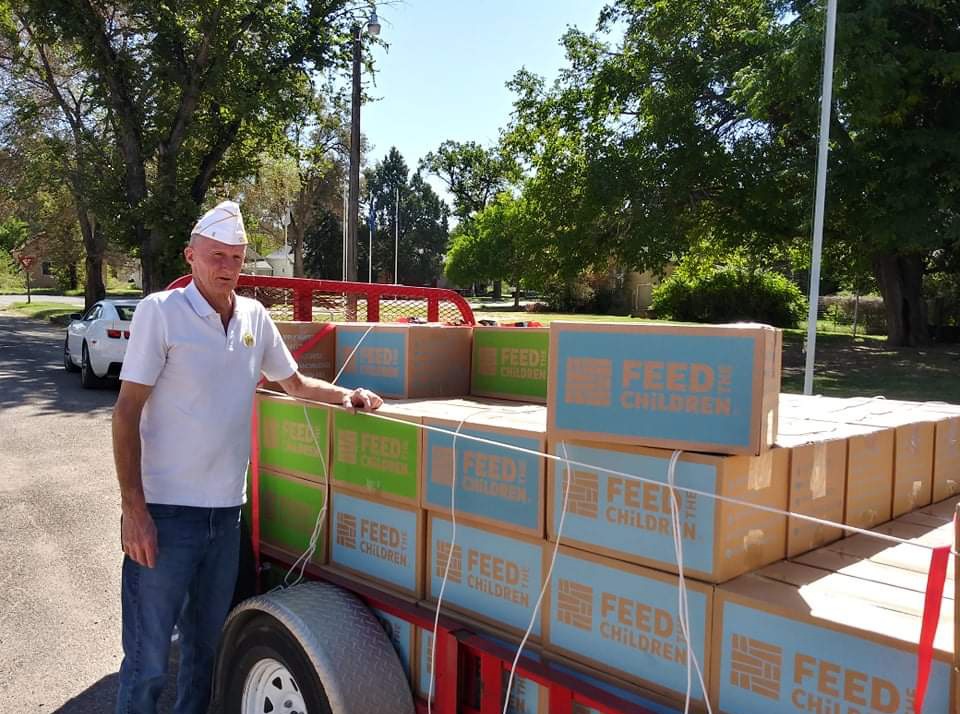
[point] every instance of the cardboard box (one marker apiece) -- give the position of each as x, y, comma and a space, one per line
289, 508
869, 497
696, 387
377, 541
623, 619
403, 636
946, 452
494, 577
898, 555
318, 361
288, 442
405, 361
377, 456
795, 639
495, 485
913, 453
510, 363
818, 476
565, 670
631, 520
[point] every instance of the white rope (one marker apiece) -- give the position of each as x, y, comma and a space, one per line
446, 569
307, 555
683, 610
643, 479
546, 578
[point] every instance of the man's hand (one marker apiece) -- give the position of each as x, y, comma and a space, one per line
139, 536
362, 399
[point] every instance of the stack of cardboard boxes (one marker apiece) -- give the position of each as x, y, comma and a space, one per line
619, 400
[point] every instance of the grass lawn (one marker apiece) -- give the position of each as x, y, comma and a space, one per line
55, 312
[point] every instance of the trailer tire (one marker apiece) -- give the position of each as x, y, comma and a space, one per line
324, 639
268, 671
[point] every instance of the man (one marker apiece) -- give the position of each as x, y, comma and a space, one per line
181, 442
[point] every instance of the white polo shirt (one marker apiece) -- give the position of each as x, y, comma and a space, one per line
195, 427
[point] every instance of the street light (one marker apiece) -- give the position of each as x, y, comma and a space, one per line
353, 200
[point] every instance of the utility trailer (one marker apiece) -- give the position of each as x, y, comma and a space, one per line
318, 648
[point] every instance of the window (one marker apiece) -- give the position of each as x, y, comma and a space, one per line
125, 312
46, 268
93, 313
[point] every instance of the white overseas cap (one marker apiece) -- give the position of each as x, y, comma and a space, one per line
222, 223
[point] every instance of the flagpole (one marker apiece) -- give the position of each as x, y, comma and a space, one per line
826, 99
396, 236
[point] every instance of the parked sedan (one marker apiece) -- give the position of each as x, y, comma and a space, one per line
97, 340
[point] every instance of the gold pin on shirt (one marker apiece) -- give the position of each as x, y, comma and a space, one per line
248, 340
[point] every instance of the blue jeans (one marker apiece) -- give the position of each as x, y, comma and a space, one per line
191, 583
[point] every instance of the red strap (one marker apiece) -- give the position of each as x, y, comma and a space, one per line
931, 616
255, 453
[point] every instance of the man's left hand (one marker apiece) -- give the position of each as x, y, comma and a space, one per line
362, 399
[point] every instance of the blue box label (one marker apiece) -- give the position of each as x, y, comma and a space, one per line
500, 484
494, 576
375, 540
379, 364
773, 663
647, 384
401, 635
625, 621
630, 516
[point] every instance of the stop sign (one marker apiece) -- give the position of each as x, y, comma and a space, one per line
27, 260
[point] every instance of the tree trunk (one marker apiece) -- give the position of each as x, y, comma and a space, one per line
901, 281
94, 244
497, 290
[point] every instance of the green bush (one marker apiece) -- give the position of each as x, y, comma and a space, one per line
729, 295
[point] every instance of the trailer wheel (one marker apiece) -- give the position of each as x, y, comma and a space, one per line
311, 649
269, 673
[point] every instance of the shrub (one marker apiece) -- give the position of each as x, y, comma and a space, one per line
729, 295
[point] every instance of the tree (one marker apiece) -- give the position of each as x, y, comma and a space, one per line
702, 123
501, 242
57, 134
196, 92
423, 227
473, 174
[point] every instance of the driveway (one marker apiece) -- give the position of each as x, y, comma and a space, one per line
59, 531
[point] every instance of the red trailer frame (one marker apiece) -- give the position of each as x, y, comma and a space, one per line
457, 649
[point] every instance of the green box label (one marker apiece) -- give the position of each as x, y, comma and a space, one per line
510, 362
289, 443
289, 509
375, 454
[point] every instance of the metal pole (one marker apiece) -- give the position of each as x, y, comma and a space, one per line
353, 209
370, 255
396, 236
826, 99
343, 237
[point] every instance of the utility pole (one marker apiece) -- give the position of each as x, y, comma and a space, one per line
353, 198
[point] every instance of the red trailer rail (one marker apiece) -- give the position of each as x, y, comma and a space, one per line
317, 300
459, 651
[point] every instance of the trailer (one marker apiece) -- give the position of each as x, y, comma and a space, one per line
320, 646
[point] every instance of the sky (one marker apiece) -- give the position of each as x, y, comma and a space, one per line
444, 73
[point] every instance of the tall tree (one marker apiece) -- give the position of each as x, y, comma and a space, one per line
473, 174
57, 130
702, 123
417, 233
195, 91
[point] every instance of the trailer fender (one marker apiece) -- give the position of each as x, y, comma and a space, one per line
311, 649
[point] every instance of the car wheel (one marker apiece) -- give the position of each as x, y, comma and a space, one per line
270, 672
88, 378
67, 361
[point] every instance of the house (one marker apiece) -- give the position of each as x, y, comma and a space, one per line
282, 262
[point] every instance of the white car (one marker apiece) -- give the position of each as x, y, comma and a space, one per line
97, 341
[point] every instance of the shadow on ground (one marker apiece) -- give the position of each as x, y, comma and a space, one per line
31, 370
101, 698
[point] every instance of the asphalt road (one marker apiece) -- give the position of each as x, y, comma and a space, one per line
59, 531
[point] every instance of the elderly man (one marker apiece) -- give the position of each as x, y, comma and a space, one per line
181, 441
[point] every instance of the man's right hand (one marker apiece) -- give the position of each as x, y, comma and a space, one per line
138, 534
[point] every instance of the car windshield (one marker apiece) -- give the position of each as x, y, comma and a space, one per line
125, 312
